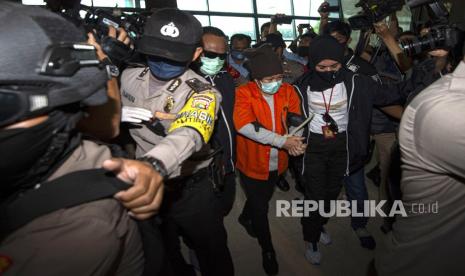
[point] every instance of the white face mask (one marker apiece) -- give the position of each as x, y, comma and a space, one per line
211, 66
271, 87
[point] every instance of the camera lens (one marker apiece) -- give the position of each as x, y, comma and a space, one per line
418, 45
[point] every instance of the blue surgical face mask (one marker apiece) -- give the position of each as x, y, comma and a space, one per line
237, 55
165, 70
271, 87
211, 66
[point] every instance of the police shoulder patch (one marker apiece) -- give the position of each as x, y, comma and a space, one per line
198, 113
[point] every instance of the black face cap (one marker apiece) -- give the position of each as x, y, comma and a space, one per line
172, 34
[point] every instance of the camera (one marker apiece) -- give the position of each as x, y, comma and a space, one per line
98, 21
283, 20
439, 37
373, 11
328, 8
442, 35
303, 26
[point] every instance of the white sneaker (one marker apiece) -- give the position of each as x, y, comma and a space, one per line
313, 255
325, 238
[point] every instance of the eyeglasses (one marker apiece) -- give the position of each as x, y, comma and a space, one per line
331, 123
214, 55
65, 59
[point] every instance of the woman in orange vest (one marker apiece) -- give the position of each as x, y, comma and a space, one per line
261, 110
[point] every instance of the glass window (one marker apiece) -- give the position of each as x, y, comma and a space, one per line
110, 3
244, 6
274, 6
302, 7
314, 5
203, 19
192, 5
232, 25
33, 2
284, 29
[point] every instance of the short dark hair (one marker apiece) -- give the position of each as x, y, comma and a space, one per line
241, 37
338, 26
213, 30
265, 25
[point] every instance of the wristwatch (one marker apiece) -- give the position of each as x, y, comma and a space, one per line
112, 70
156, 164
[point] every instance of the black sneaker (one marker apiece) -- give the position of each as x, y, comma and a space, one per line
270, 265
247, 224
282, 184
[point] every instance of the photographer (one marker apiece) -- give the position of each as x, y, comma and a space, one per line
432, 143
102, 122
301, 43
55, 197
276, 20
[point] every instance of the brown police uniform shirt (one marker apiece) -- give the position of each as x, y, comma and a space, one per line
140, 89
430, 240
96, 238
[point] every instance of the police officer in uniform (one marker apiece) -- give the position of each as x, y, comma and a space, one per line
43, 89
173, 112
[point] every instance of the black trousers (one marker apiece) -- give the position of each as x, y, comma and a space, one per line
228, 195
325, 164
195, 213
259, 193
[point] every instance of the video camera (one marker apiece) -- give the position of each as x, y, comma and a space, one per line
441, 35
97, 21
100, 20
373, 11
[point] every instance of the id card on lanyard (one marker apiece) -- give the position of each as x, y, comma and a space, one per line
329, 130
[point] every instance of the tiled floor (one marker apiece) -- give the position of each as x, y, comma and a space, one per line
343, 257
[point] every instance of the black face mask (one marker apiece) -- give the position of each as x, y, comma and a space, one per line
329, 76
303, 51
21, 148
321, 81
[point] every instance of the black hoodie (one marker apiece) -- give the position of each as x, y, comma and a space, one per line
363, 93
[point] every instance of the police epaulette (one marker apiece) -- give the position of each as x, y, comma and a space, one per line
198, 86
142, 74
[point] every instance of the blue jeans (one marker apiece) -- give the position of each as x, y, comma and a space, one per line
356, 190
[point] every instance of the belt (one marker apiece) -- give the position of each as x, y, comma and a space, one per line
185, 181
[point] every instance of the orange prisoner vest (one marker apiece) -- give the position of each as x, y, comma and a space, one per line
250, 106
